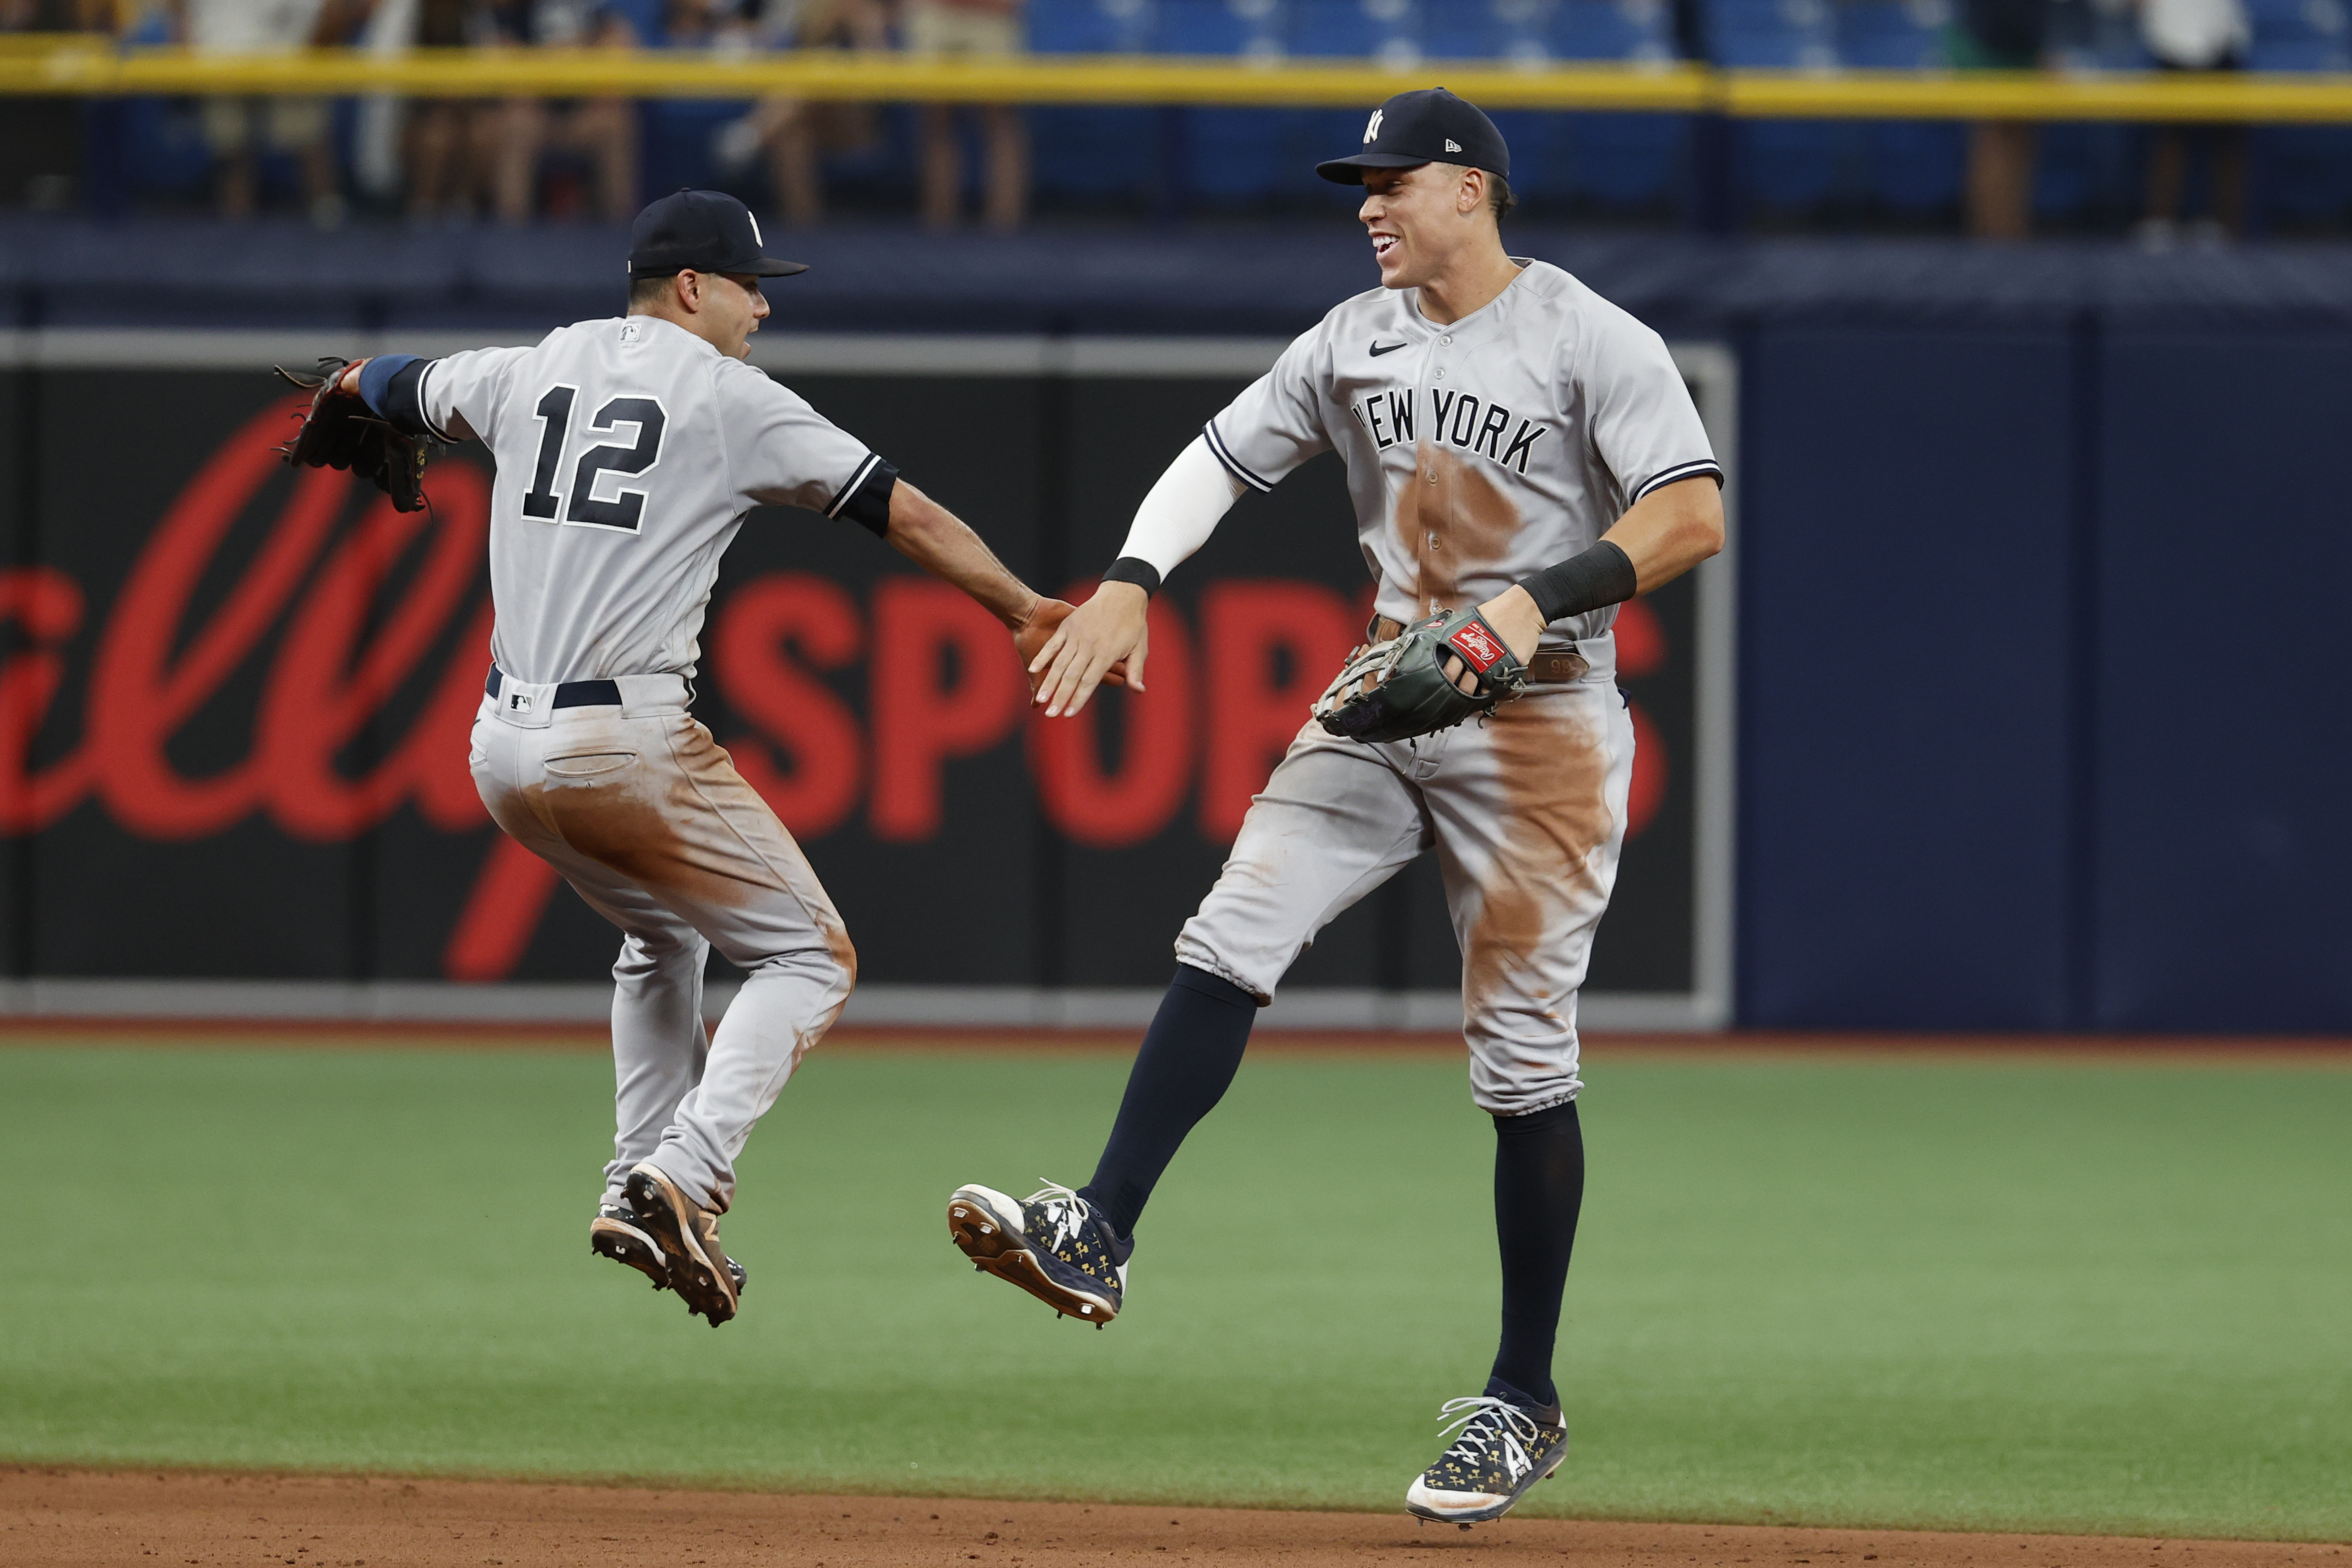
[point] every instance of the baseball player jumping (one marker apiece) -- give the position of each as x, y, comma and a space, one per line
1523, 457
628, 451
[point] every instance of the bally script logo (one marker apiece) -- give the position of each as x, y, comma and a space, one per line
358, 631
284, 652
1476, 643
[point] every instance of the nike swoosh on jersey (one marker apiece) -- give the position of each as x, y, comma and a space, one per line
1378, 348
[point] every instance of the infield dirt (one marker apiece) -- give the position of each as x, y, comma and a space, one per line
68, 1518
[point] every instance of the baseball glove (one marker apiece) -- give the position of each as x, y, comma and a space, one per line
1430, 676
341, 432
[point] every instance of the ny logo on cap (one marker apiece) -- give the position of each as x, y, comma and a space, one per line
1372, 131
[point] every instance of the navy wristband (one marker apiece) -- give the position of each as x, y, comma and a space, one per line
1599, 577
1135, 569
376, 385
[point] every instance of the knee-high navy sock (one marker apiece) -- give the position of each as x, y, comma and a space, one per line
1189, 1055
1538, 1189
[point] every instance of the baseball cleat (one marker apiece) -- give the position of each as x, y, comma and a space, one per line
699, 1271
616, 1233
1499, 1450
1052, 1244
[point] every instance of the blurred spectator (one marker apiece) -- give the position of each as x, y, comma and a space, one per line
452, 143
601, 131
971, 29
57, 16
2000, 35
40, 137
791, 132
2195, 36
239, 130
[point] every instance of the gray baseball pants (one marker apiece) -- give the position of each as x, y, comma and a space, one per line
1526, 812
643, 813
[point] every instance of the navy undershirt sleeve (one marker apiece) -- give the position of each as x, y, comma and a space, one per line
388, 385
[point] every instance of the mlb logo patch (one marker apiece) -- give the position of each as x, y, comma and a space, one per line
1477, 644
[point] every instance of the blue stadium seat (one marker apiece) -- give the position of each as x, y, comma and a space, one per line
1516, 30
2301, 174
1908, 166
1617, 161
1090, 153
1091, 26
2304, 54
1788, 164
1389, 31
1488, 30
1613, 30
2089, 173
1232, 156
647, 18
1384, 30
163, 147
2317, 23
677, 140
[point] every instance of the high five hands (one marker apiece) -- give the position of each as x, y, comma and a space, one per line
1070, 649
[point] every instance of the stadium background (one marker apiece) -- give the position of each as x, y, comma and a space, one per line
1987, 879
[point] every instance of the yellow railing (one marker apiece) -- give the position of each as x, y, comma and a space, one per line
75, 65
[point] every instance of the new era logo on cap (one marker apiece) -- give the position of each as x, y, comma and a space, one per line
1452, 145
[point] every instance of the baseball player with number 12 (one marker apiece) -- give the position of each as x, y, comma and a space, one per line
629, 451
1523, 457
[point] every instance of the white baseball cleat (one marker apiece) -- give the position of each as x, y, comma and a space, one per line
1052, 1244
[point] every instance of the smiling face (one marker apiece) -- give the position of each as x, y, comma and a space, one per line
1421, 219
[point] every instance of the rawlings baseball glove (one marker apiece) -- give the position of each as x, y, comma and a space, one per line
1430, 676
341, 432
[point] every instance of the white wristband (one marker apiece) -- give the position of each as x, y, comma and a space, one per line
1183, 509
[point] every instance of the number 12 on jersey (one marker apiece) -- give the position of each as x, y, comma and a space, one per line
626, 507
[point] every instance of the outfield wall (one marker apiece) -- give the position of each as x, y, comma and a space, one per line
2037, 724
237, 711
2041, 722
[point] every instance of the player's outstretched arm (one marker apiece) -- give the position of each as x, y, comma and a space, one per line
458, 428
1108, 634
943, 545
1661, 537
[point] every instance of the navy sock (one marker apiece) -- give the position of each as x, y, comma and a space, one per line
1539, 1190
1189, 1055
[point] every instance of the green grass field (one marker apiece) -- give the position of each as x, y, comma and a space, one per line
1958, 1293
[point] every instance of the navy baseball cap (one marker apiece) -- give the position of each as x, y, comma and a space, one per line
709, 231
1428, 125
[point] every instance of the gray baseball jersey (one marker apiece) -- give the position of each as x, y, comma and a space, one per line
627, 452
1479, 450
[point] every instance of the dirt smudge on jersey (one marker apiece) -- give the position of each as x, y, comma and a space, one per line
1451, 521
1553, 763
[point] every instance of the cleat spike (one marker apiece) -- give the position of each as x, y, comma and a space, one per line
1466, 1527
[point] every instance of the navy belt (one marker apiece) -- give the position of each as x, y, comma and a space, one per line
570, 693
